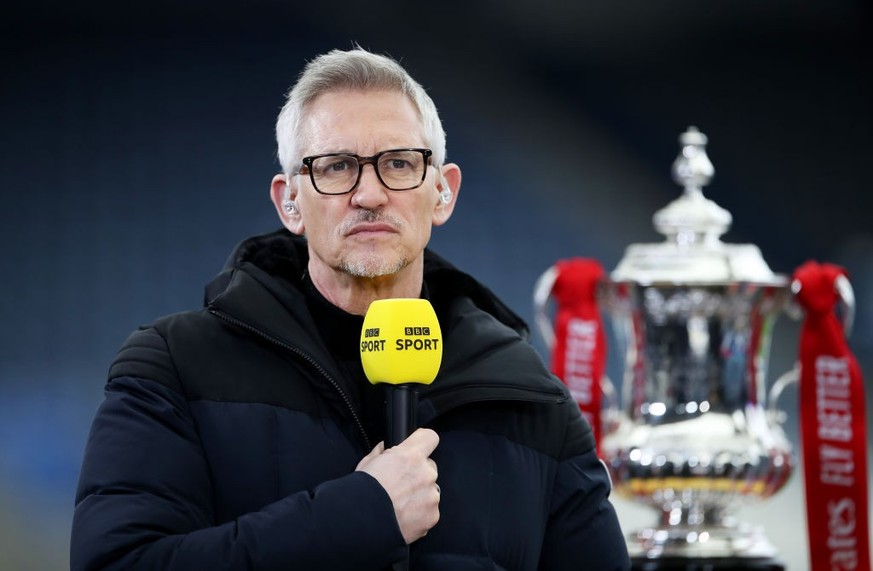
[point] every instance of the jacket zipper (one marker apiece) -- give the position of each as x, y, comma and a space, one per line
305, 357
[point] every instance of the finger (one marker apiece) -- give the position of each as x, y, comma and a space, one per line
378, 449
374, 453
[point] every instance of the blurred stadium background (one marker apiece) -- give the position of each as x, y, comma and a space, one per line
137, 148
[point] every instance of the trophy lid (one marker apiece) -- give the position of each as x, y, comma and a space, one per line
693, 252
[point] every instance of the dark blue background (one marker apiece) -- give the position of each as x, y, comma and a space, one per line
137, 149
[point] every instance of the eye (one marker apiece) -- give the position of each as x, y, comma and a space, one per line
334, 165
399, 164
398, 161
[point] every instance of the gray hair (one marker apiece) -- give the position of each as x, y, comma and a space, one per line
356, 69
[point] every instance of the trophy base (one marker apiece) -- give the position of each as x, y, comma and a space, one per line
706, 564
695, 548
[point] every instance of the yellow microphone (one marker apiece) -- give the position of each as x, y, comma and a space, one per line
401, 348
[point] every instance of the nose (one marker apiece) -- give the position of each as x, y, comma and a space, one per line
370, 193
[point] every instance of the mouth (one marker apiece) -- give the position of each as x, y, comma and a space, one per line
367, 229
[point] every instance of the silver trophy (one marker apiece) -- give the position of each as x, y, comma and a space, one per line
696, 431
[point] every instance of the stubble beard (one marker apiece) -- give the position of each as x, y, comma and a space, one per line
373, 264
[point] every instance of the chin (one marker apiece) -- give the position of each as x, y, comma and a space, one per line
372, 266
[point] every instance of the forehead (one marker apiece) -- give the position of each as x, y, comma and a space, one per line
361, 122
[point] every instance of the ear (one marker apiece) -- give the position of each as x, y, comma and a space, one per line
281, 191
450, 181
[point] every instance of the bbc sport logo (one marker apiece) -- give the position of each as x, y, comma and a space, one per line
416, 331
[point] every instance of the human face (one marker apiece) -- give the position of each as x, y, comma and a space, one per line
372, 231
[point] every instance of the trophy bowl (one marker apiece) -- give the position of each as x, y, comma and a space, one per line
697, 435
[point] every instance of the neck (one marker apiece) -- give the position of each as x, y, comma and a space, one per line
354, 294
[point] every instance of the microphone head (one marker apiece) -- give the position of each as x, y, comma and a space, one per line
401, 342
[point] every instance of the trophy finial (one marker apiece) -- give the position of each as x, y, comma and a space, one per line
692, 218
693, 252
692, 168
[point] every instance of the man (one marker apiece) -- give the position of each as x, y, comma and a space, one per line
246, 436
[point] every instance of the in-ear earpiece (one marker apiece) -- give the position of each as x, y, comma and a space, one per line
288, 204
446, 193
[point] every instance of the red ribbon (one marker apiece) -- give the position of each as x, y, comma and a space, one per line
579, 353
833, 428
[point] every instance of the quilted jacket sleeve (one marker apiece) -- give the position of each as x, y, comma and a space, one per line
144, 501
583, 530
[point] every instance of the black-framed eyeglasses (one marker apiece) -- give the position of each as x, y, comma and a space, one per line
339, 173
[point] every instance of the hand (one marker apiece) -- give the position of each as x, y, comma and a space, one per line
409, 476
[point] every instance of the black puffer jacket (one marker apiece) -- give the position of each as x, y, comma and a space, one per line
226, 442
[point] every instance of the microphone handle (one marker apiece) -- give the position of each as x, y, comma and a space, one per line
400, 413
401, 420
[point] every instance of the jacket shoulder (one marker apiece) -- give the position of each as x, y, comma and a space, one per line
147, 353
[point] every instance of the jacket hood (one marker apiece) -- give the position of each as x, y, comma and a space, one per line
281, 255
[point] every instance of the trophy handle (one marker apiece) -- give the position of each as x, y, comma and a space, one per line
542, 292
610, 406
847, 295
847, 312
787, 379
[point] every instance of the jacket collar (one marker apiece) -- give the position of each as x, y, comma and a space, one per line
284, 257
259, 287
